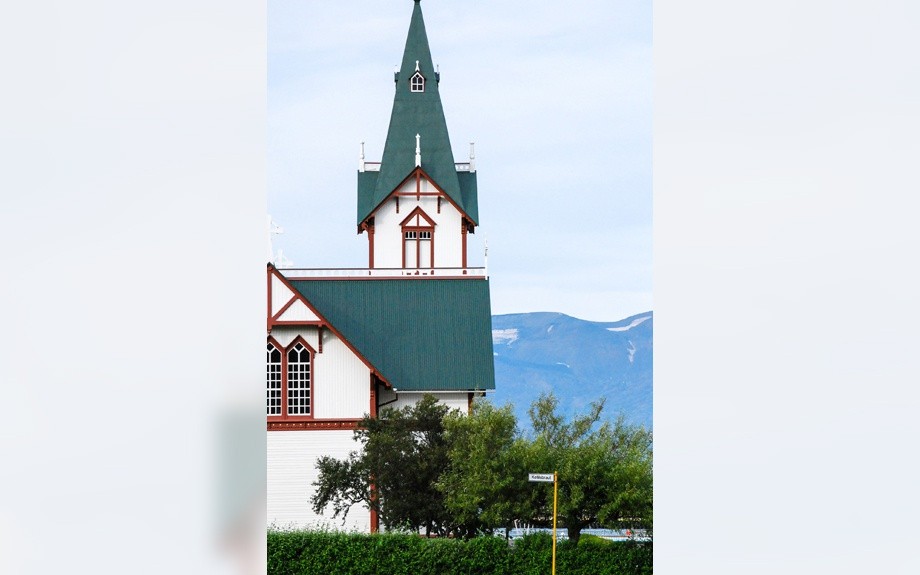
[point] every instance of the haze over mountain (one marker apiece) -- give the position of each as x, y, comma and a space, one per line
580, 361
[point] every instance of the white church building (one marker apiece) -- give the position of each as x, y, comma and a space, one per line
343, 343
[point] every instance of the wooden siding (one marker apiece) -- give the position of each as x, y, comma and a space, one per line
342, 388
341, 384
388, 238
291, 468
298, 311
458, 400
285, 334
280, 295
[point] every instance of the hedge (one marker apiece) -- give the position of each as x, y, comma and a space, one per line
322, 553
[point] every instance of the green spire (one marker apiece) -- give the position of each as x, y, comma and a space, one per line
415, 112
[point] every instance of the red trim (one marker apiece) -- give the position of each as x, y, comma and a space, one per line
370, 242
373, 405
312, 425
379, 278
273, 320
319, 339
463, 238
268, 291
420, 213
274, 342
405, 226
285, 417
422, 173
285, 307
323, 321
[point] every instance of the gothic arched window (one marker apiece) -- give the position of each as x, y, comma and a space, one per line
298, 379
273, 380
417, 82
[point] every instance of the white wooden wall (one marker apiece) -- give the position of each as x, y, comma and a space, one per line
388, 238
292, 470
341, 381
453, 400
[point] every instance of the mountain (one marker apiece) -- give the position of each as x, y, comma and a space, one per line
580, 361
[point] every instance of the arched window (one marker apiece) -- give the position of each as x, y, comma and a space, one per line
273, 380
298, 380
417, 82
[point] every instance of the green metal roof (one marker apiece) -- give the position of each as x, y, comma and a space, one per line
420, 334
416, 113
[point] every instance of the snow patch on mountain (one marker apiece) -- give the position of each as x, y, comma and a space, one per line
632, 351
563, 363
504, 336
631, 325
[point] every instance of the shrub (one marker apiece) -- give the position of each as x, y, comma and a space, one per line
320, 553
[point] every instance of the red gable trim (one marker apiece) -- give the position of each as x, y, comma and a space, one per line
416, 173
417, 212
322, 323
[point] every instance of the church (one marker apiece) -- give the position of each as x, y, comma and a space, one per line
347, 342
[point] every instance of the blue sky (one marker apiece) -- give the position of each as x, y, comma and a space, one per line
558, 101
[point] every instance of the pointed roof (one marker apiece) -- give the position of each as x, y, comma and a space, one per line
416, 113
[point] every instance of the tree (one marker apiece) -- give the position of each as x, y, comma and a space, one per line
403, 454
605, 470
485, 485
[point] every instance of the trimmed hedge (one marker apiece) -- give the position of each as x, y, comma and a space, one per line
322, 553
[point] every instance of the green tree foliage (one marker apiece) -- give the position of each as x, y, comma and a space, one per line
403, 454
605, 469
467, 474
485, 485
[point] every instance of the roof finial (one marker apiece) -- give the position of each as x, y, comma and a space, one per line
361, 159
418, 150
472, 157
416, 65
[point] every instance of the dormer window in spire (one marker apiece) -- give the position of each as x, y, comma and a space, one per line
417, 81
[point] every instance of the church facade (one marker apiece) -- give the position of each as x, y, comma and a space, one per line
343, 343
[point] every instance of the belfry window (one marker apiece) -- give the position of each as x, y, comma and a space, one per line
418, 240
417, 83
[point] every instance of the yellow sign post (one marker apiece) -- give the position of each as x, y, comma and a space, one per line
555, 479
555, 496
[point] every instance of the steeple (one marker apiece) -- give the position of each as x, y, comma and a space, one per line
417, 123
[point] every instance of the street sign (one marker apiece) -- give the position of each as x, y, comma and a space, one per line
549, 478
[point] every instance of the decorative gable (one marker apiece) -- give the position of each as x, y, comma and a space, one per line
417, 219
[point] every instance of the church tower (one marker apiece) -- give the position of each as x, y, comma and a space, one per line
417, 204
343, 344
